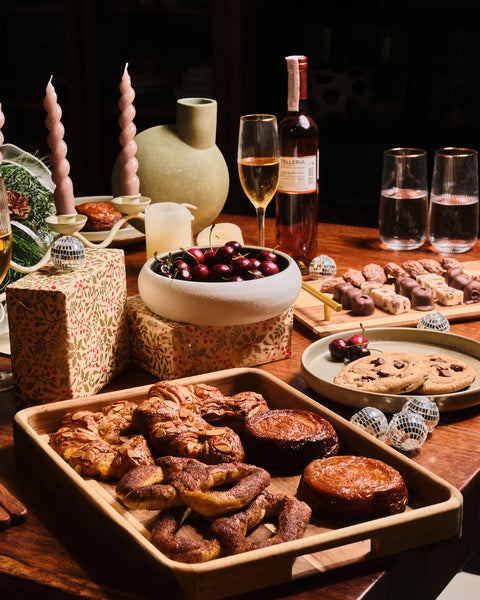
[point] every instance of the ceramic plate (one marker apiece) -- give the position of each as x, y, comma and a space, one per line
125, 234
318, 369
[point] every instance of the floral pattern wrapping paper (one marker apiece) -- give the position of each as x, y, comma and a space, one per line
168, 349
69, 330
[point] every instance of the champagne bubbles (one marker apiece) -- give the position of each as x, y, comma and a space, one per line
435, 321
424, 407
407, 431
322, 267
372, 421
68, 253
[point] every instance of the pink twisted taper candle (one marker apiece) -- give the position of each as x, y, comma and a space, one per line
63, 194
129, 181
2, 121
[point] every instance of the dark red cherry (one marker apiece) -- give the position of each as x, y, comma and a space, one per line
184, 274
254, 274
236, 245
241, 264
193, 256
357, 340
268, 267
338, 349
210, 257
356, 352
225, 254
254, 263
266, 255
236, 278
220, 272
200, 272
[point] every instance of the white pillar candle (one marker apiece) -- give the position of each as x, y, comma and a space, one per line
168, 226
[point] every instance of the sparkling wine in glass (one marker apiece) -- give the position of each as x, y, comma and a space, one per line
5, 257
258, 163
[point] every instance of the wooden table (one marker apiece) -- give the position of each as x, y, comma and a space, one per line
52, 556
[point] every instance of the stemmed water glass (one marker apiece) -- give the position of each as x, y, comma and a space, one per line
258, 163
5, 257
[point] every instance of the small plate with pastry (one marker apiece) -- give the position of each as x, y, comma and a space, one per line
101, 217
401, 362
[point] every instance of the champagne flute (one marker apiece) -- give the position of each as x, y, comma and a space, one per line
258, 163
5, 257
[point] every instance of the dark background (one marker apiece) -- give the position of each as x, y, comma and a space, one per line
382, 74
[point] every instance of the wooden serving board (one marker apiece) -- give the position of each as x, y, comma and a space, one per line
310, 311
434, 509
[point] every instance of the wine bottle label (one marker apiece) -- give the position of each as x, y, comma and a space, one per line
298, 174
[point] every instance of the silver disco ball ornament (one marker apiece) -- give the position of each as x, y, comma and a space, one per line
407, 431
424, 407
68, 253
372, 420
435, 321
322, 267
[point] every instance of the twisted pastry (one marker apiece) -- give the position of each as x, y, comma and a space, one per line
293, 516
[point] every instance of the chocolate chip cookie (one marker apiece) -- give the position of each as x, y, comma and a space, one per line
445, 374
385, 373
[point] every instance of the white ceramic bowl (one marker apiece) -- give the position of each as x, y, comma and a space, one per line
221, 303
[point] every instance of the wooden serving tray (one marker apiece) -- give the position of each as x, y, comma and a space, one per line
434, 510
310, 311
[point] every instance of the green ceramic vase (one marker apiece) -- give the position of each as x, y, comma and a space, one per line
181, 163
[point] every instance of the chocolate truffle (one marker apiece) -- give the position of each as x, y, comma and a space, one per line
471, 292
407, 284
362, 305
452, 273
460, 281
422, 298
339, 289
347, 296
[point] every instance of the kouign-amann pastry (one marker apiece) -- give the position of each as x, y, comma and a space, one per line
101, 216
288, 438
386, 373
352, 487
445, 374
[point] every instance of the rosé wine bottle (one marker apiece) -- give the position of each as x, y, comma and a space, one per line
297, 195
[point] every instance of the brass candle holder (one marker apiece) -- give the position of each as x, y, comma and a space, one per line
131, 207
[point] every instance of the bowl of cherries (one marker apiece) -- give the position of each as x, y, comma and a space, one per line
231, 284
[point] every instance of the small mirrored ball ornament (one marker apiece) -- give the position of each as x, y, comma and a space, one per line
68, 253
426, 408
435, 321
407, 431
372, 421
322, 267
